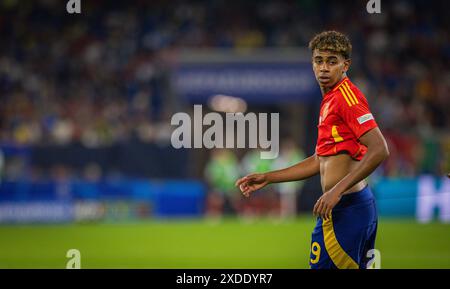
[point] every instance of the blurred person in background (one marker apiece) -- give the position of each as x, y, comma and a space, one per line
221, 172
266, 202
290, 154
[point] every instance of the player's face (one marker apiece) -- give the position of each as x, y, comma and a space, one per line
328, 67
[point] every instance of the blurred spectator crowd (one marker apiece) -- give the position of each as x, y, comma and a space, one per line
104, 76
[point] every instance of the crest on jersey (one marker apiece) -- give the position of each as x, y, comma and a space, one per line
324, 113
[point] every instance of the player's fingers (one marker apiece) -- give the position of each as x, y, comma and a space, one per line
326, 213
247, 191
321, 211
244, 189
240, 181
317, 206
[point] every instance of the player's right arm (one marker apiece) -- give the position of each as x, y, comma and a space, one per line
303, 170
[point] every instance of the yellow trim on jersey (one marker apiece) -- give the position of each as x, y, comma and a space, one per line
349, 95
334, 89
351, 92
339, 257
335, 134
345, 96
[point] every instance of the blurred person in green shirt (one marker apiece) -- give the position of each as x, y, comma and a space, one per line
265, 202
290, 154
221, 172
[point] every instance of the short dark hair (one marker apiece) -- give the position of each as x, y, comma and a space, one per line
332, 41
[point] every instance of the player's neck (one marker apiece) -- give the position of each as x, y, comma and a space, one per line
325, 90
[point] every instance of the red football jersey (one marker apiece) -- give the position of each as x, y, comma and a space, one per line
344, 118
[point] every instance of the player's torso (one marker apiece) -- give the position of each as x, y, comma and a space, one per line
334, 168
338, 147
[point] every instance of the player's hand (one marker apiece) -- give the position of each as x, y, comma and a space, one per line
325, 204
251, 183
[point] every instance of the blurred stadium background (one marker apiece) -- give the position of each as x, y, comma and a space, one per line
85, 154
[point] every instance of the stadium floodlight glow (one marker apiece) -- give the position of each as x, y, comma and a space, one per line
225, 103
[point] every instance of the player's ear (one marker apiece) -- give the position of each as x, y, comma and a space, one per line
347, 63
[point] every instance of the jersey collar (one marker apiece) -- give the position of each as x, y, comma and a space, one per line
335, 86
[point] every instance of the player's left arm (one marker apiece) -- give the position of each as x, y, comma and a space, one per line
377, 152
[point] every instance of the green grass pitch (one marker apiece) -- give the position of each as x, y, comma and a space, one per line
231, 243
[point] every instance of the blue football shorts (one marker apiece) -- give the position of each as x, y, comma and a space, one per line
344, 240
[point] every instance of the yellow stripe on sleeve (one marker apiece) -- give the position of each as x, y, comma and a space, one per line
345, 96
351, 92
339, 257
348, 94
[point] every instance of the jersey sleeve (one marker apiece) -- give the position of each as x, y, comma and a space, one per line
354, 111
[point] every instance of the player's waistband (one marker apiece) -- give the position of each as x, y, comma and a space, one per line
363, 196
